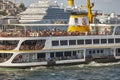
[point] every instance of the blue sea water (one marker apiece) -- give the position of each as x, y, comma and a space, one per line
92, 71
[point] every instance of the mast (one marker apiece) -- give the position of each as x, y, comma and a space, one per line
89, 7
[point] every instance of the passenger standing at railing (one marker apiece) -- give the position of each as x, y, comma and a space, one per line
35, 33
28, 33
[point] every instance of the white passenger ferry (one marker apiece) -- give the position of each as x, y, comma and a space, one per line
27, 45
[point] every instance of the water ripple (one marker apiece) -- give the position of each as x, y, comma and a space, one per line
92, 71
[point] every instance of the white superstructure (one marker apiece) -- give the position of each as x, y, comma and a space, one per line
44, 11
108, 19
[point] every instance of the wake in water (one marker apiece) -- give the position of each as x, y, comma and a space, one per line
91, 64
95, 64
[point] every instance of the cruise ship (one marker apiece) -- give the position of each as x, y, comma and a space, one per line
87, 38
43, 12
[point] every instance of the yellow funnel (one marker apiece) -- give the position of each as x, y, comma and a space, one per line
70, 3
78, 23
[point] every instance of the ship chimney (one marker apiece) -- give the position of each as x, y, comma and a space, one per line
70, 3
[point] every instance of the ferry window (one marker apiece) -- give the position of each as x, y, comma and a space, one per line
67, 53
55, 43
117, 40
95, 41
93, 28
80, 42
72, 42
93, 51
90, 52
8, 44
98, 51
101, 51
63, 42
59, 54
51, 55
110, 40
103, 41
32, 45
74, 53
117, 31
76, 20
5, 56
118, 50
41, 55
88, 41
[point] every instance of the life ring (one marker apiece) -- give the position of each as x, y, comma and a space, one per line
20, 56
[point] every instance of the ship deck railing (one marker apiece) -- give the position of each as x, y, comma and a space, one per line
20, 60
50, 33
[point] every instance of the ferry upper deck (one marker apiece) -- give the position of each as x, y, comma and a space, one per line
46, 30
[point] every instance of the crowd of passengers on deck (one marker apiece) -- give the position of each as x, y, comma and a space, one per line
22, 47
31, 47
36, 33
7, 47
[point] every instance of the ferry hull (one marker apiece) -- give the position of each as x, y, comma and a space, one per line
58, 63
106, 60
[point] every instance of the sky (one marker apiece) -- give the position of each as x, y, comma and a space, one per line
105, 6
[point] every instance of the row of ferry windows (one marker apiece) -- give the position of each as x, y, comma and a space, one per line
58, 54
87, 41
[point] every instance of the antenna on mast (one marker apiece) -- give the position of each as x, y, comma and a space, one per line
89, 7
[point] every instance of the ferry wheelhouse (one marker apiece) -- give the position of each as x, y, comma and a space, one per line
27, 45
